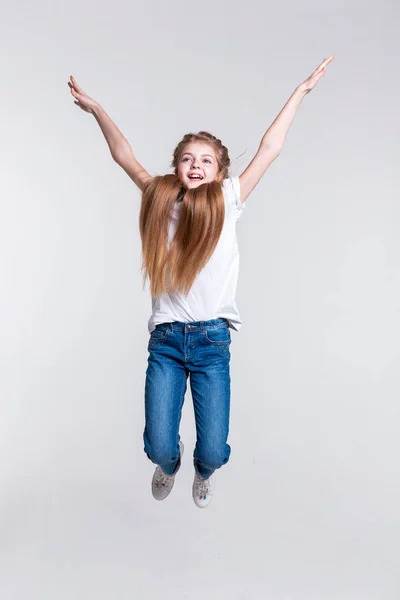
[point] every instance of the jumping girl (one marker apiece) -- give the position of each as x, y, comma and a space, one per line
190, 256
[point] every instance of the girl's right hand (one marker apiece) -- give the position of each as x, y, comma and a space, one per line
82, 99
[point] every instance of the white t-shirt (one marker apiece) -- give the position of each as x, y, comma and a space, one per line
212, 294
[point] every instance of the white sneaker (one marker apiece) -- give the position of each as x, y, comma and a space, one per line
162, 484
203, 490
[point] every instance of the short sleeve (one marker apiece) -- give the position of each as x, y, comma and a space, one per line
231, 187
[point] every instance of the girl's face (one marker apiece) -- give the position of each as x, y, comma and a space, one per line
197, 164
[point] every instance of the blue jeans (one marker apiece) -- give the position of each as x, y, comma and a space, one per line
199, 349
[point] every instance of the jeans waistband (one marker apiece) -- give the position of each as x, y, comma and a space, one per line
196, 325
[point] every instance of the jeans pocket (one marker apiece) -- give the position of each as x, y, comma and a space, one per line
218, 336
159, 333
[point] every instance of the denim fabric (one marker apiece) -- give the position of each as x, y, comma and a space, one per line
176, 350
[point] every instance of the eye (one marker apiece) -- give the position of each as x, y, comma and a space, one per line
186, 158
208, 160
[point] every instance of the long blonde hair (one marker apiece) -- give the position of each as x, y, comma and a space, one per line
201, 219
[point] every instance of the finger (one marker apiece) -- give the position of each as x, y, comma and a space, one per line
320, 74
325, 62
71, 86
76, 95
77, 87
317, 70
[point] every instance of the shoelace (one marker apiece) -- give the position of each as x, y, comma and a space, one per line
202, 486
162, 478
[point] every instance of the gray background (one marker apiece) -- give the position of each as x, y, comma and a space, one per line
308, 506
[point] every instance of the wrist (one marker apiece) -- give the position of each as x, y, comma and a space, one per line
97, 109
300, 91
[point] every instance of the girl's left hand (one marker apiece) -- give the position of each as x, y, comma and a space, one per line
316, 75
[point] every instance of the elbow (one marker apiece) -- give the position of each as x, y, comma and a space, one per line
272, 149
277, 149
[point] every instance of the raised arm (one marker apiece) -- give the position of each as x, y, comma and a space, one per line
120, 148
273, 139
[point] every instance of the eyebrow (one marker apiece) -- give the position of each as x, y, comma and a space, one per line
210, 155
